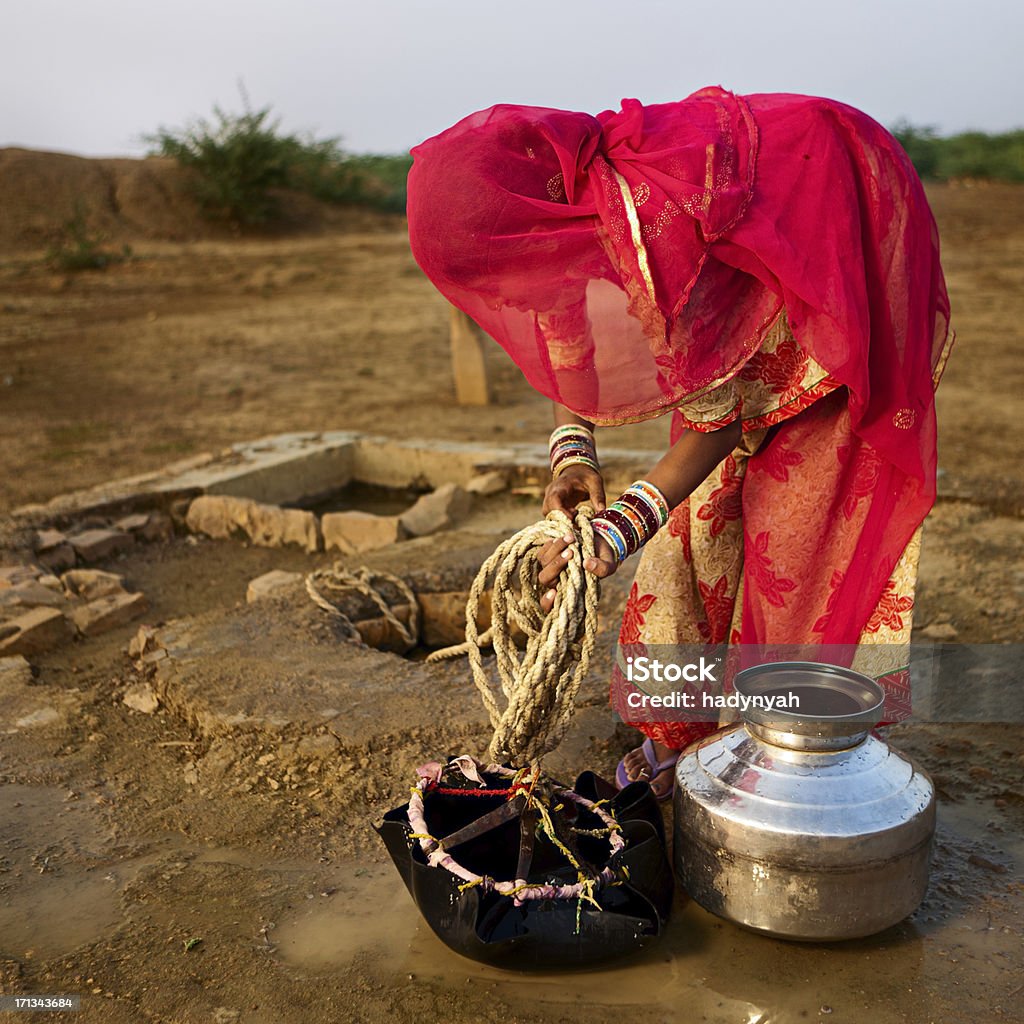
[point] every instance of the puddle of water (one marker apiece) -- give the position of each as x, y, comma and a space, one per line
374, 914
53, 916
717, 971
54, 898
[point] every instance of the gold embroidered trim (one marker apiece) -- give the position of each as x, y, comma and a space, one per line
940, 366
634, 230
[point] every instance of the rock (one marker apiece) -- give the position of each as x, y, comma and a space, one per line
36, 631
276, 583
132, 523
142, 698
45, 540
12, 575
216, 516
487, 483
31, 594
268, 526
443, 617
352, 532
16, 671
95, 545
106, 613
143, 642
90, 584
438, 510
158, 527
150, 526
940, 631
59, 558
53, 582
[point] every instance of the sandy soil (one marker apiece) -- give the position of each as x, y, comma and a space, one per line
124, 836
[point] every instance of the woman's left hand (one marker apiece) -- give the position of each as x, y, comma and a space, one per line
555, 556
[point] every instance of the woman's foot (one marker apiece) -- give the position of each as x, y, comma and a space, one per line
652, 763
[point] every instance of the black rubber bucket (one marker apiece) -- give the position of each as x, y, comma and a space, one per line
538, 934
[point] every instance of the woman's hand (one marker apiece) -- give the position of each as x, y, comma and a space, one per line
555, 556
575, 485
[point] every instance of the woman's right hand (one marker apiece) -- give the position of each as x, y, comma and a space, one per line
574, 486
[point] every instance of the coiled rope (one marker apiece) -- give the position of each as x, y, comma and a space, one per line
361, 580
533, 702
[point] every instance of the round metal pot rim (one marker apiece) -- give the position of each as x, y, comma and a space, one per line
781, 722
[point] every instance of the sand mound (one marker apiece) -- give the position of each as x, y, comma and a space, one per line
124, 199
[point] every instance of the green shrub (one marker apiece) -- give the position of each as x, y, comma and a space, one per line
997, 157
240, 160
81, 249
382, 180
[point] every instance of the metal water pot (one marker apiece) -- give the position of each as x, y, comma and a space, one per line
798, 822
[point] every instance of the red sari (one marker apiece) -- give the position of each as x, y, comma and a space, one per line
647, 259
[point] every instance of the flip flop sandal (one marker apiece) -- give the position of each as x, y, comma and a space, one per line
656, 767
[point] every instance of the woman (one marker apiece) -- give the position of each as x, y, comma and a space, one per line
765, 269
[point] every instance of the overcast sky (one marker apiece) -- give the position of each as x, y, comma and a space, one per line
93, 76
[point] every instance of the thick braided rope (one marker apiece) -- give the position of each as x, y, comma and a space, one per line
362, 580
538, 687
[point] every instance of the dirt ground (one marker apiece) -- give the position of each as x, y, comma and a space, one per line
124, 837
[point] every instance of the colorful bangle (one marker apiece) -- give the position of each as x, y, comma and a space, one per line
633, 519
615, 515
618, 545
637, 523
571, 428
652, 522
648, 492
572, 445
574, 460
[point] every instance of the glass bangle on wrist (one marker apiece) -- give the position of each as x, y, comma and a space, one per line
632, 520
572, 445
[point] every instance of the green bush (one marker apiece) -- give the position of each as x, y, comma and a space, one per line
81, 249
967, 155
382, 180
240, 160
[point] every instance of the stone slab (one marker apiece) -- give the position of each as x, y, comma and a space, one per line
95, 545
439, 510
485, 484
109, 612
353, 532
89, 584
274, 584
221, 516
31, 594
58, 558
287, 468
284, 672
46, 540
13, 575
34, 632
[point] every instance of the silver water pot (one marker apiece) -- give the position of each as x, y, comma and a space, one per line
798, 822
